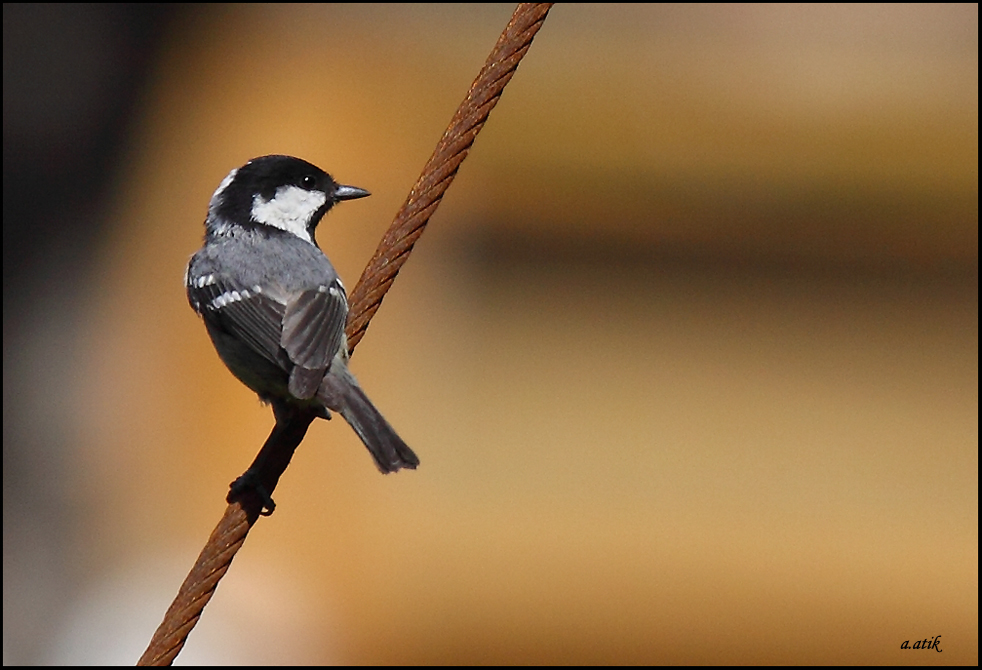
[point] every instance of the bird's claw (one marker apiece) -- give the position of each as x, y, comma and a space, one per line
247, 481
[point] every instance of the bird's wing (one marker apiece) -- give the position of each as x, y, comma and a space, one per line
313, 332
298, 332
250, 314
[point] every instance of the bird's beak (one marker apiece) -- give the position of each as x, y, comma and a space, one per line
349, 192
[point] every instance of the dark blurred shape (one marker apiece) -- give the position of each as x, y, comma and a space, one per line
72, 74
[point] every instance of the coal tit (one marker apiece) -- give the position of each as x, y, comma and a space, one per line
272, 302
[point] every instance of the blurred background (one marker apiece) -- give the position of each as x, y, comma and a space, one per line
689, 353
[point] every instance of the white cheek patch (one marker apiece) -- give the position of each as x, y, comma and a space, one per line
291, 209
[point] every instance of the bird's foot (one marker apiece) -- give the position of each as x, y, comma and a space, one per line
246, 482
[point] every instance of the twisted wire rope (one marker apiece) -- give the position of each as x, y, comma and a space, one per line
246, 507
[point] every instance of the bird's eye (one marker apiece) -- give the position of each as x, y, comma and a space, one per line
308, 181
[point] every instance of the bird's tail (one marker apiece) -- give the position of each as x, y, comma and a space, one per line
340, 391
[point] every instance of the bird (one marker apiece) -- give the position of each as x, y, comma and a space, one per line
273, 304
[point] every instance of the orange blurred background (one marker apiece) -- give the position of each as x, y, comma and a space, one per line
689, 353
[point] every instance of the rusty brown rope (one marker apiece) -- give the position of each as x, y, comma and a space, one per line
440, 170
247, 505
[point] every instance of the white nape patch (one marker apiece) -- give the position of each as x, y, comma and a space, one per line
290, 209
216, 197
219, 227
225, 182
